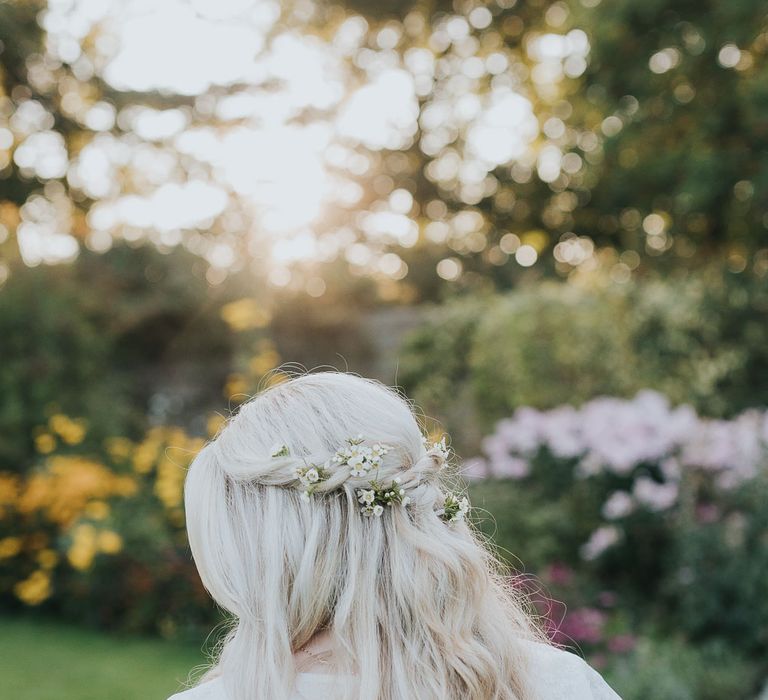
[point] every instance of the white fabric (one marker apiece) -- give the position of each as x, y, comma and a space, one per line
560, 675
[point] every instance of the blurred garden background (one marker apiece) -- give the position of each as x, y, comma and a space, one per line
547, 222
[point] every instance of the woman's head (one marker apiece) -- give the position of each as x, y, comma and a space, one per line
414, 602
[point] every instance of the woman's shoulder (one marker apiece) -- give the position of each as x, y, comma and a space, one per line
307, 685
561, 675
556, 674
209, 690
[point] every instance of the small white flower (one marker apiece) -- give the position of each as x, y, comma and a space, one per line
312, 475
406, 500
378, 510
454, 509
305, 496
442, 449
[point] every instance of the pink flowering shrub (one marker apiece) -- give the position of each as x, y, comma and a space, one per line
643, 446
652, 501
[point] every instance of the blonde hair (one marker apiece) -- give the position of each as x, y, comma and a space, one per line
419, 608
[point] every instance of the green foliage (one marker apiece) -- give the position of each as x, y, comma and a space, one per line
702, 338
718, 583
54, 357
434, 369
538, 522
698, 338
668, 668
103, 339
537, 347
40, 660
688, 143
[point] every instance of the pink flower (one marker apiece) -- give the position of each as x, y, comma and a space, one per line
583, 625
475, 468
560, 574
600, 540
619, 504
654, 495
621, 643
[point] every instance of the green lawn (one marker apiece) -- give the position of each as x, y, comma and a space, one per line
46, 660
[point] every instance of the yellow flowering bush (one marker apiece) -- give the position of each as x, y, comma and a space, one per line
98, 534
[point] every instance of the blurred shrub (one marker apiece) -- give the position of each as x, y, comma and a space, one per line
668, 668
433, 366
54, 359
718, 581
112, 339
551, 343
100, 537
701, 339
638, 506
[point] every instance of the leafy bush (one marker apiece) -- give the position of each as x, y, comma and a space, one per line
101, 539
537, 347
638, 506
699, 339
668, 668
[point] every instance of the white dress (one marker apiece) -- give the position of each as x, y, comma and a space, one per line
559, 674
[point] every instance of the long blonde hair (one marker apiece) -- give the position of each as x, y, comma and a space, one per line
418, 607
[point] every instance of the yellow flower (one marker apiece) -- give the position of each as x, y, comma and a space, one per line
215, 421
9, 547
125, 486
83, 549
71, 430
9, 489
47, 558
34, 589
98, 510
145, 454
236, 384
109, 542
64, 490
276, 378
170, 482
45, 443
118, 448
244, 314
266, 359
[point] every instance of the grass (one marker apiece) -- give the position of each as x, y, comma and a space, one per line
44, 660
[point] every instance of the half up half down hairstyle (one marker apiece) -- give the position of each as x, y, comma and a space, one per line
418, 607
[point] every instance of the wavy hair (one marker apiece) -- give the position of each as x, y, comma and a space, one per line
418, 608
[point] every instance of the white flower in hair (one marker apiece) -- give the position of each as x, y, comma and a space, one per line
378, 496
360, 458
366, 496
454, 508
310, 475
442, 449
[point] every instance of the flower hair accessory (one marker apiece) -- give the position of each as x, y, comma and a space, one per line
309, 476
439, 448
454, 508
378, 496
360, 458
